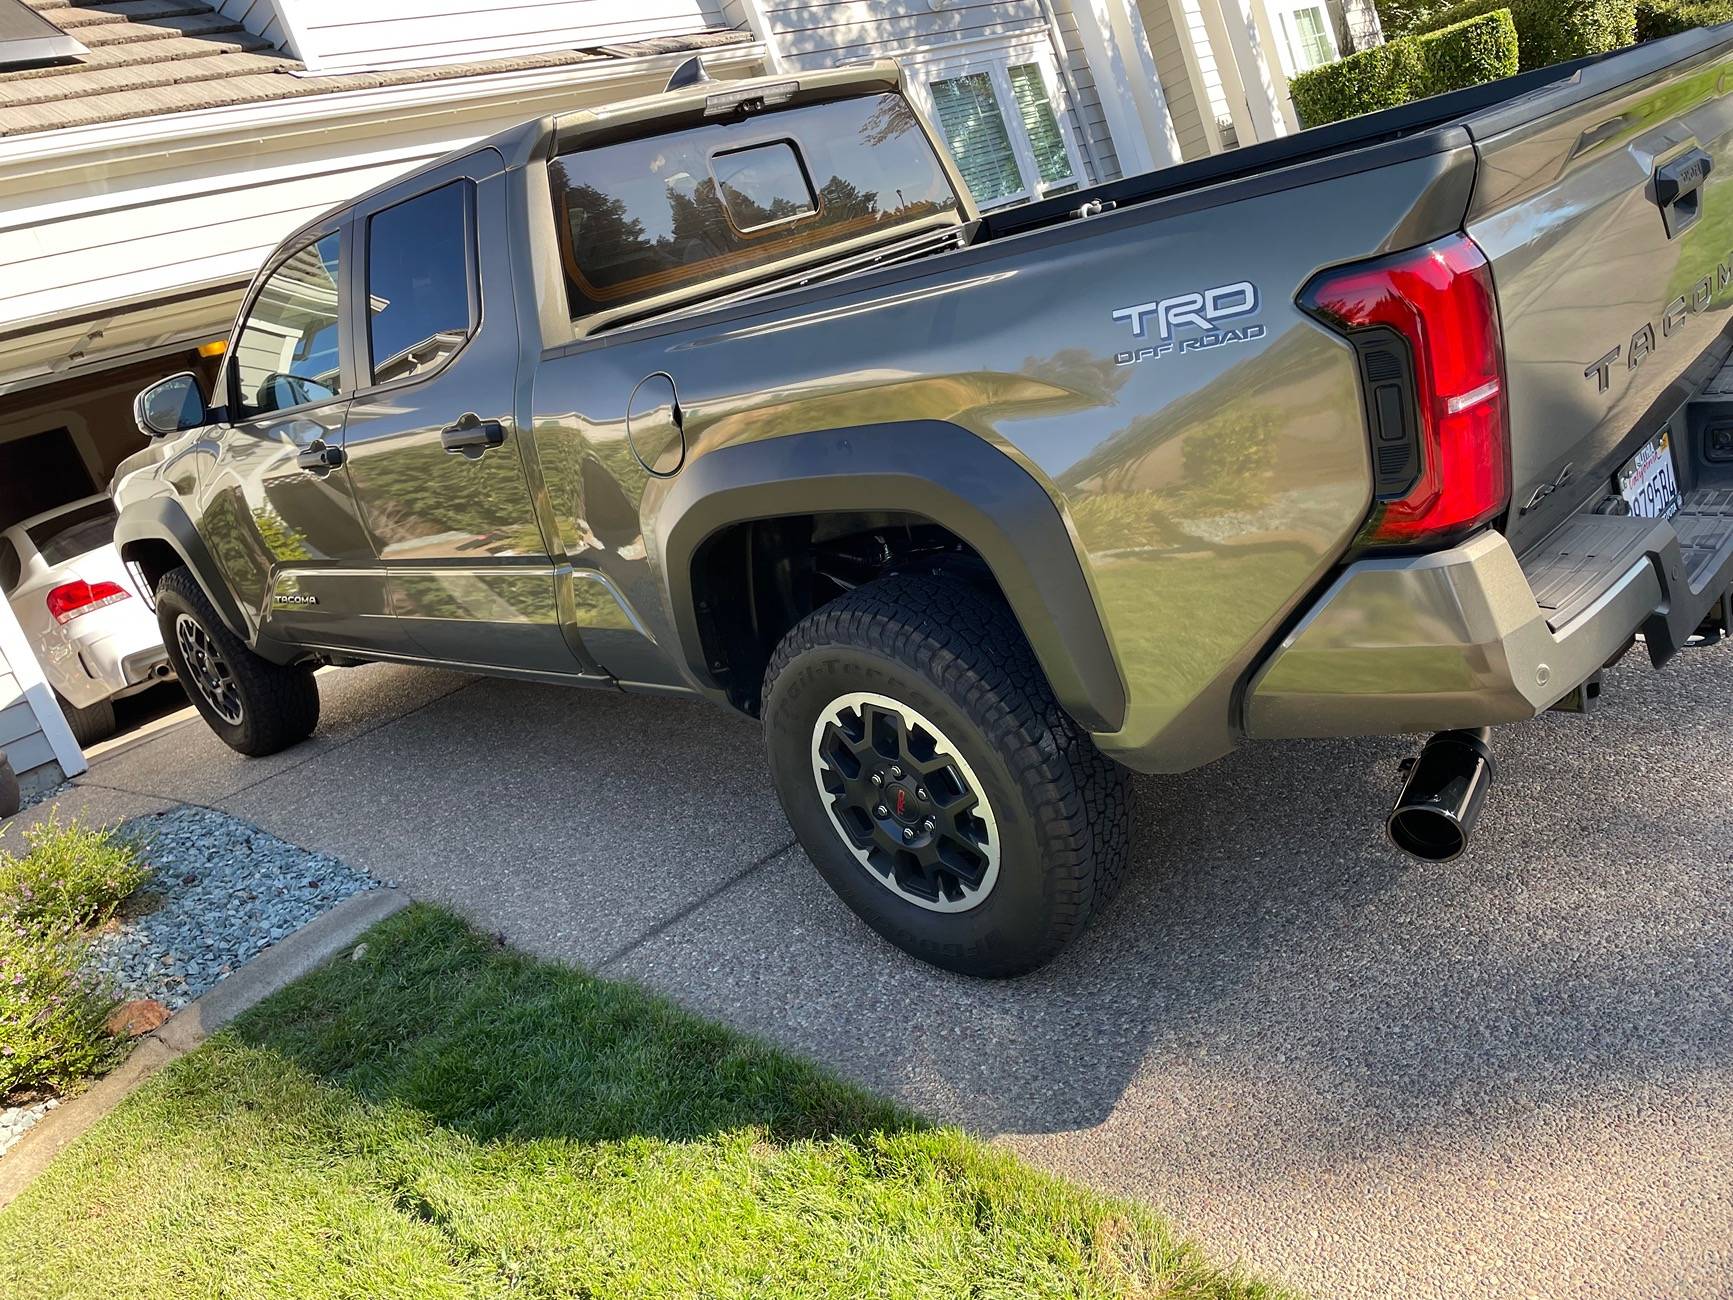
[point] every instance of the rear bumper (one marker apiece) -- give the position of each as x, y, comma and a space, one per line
125, 661
1460, 638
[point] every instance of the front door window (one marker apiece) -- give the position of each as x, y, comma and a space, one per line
286, 354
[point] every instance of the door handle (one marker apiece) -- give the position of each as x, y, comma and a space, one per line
319, 458
472, 435
1679, 190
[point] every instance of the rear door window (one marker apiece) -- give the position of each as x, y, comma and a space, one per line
420, 283
641, 219
286, 354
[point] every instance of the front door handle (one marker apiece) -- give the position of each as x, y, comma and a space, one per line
472, 435
318, 457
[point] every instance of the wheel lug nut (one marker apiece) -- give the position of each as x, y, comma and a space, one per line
881, 811
908, 832
920, 792
930, 823
896, 769
878, 778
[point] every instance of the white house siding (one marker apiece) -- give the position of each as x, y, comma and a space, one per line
809, 35
1209, 71
349, 35
1087, 114
33, 733
21, 738
1176, 83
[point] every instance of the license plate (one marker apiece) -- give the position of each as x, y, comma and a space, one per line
1648, 482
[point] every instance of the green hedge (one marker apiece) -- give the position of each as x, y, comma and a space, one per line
1482, 48
1554, 31
1658, 18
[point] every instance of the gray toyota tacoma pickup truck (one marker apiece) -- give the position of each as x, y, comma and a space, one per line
1407, 424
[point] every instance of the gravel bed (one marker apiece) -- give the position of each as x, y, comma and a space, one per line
222, 891
16, 1121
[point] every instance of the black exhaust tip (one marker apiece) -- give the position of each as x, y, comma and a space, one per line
1436, 813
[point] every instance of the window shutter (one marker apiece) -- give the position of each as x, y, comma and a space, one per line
1030, 90
975, 130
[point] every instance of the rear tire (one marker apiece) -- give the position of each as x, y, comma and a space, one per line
88, 725
1004, 829
255, 706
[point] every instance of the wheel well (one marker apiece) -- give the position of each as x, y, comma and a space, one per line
152, 559
753, 581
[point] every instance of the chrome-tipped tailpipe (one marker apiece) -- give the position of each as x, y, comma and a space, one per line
1441, 798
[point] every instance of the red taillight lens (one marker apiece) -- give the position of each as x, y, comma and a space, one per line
71, 599
1440, 299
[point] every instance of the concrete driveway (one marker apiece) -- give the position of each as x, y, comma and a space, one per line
1507, 1076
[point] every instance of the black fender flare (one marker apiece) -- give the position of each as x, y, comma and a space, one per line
164, 519
931, 468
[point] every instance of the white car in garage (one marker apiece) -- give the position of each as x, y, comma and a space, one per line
96, 640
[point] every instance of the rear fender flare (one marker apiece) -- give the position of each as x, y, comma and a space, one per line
931, 468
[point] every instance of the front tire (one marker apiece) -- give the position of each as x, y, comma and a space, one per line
934, 780
256, 707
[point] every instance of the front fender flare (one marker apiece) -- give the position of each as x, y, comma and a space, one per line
163, 519
931, 468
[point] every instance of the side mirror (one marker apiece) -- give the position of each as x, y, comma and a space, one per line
170, 406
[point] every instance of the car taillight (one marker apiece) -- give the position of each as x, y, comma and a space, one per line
1425, 326
71, 599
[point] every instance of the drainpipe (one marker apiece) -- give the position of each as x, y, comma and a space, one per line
1062, 55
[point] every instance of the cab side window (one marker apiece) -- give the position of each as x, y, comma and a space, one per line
421, 300
286, 354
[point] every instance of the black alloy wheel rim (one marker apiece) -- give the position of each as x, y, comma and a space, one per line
906, 803
208, 670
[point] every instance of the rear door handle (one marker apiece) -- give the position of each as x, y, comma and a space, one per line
318, 457
471, 435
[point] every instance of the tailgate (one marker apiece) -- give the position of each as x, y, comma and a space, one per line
1605, 204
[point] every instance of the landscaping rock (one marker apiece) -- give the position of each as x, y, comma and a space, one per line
16, 1121
223, 891
140, 1016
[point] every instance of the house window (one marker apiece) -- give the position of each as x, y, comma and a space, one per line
1306, 34
1001, 126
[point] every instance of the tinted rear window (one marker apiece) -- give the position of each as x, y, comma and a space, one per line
75, 533
642, 218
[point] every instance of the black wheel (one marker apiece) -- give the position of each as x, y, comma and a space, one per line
255, 706
934, 780
88, 725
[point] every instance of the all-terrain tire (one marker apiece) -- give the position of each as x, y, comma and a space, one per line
88, 725
271, 707
955, 656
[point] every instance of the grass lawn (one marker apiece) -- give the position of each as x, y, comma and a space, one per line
445, 1117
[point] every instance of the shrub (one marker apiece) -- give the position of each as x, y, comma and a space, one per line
1554, 31
1469, 53
1658, 18
51, 1013
1380, 77
69, 874
1479, 49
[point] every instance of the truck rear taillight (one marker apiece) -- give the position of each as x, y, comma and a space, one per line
69, 600
1425, 325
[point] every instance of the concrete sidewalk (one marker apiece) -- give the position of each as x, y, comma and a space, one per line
1506, 1076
